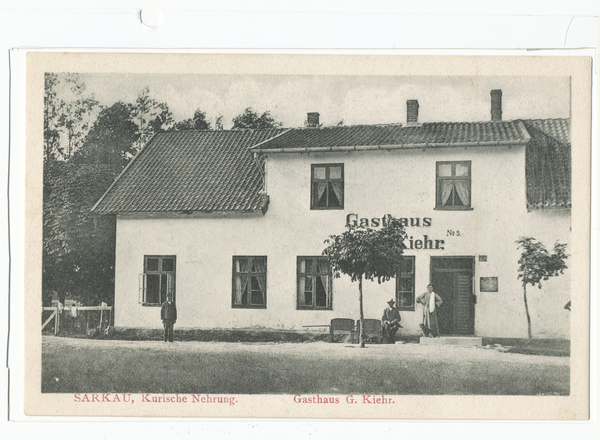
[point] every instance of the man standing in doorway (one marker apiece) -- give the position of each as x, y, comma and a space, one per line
390, 322
431, 301
168, 314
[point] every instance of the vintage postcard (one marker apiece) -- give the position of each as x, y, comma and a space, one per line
307, 236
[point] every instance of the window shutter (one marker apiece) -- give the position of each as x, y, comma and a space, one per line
142, 289
170, 283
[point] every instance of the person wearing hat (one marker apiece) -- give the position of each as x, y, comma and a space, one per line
390, 322
168, 315
430, 301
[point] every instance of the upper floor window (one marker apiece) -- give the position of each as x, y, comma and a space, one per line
453, 185
157, 280
250, 282
314, 283
327, 186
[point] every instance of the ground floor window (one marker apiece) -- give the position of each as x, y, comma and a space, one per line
314, 283
405, 284
158, 279
249, 282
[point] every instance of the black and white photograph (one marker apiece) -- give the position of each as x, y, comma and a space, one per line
308, 236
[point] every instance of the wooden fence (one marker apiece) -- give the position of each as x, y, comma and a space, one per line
58, 311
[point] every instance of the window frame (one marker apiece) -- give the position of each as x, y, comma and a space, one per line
143, 284
400, 275
438, 183
327, 167
329, 292
249, 275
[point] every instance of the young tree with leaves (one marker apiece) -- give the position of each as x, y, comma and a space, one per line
537, 264
367, 253
251, 119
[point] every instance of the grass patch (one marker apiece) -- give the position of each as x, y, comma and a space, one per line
221, 335
539, 347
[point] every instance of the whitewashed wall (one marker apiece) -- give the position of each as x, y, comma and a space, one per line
400, 183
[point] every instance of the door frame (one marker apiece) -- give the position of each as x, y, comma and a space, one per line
472, 258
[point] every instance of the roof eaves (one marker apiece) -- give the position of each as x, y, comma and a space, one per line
396, 146
259, 211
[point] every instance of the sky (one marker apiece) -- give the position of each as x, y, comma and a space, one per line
366, 99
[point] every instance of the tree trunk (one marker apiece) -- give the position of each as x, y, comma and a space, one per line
527, 311
362, 315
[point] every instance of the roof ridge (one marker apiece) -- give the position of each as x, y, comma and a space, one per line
228, 130
349, 126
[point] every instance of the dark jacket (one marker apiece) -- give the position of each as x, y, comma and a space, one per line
390, 315
168, 312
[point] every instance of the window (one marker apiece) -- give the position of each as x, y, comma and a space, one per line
327, 190
249, 282
314, 283
405, 284
157, 280
453, 185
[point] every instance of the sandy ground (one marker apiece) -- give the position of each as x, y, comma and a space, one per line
84, 365
441, 353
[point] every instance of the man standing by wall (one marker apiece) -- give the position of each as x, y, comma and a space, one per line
390, 322
430, 302
168, 315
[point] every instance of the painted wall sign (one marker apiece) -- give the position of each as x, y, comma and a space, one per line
412, 242
352, 219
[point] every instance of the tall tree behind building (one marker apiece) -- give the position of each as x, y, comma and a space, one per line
251, 119
112, 139
198, 122
68, 119
78, 245
150, 116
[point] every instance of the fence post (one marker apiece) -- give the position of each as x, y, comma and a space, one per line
57, 319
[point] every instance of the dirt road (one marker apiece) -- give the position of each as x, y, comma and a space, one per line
83, 365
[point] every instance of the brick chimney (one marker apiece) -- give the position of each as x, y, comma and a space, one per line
412, 112
496, 104
312, 119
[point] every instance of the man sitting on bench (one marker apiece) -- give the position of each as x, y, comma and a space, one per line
390, 323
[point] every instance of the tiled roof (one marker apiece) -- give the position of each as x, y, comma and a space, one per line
191, 171
548, 164
214, 171
559, 129
436, 134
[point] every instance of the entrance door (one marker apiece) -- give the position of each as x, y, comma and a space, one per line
452, 279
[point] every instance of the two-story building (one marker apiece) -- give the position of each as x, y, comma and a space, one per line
233, 222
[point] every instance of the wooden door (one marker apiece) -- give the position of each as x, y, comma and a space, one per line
452, 280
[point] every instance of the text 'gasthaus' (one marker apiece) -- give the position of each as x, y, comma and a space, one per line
352, 219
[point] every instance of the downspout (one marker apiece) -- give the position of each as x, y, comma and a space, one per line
261, 170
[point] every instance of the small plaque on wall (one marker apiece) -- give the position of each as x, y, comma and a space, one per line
488, 284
